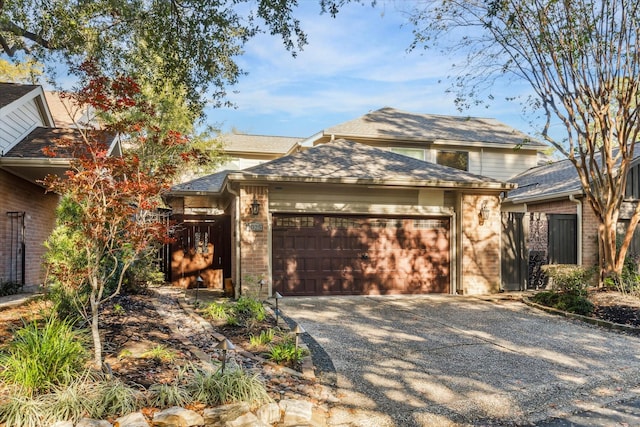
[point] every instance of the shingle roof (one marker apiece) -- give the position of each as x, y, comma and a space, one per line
31, 146
236, 142
344, 159
13, 91
210, 183
546, 181
389, 123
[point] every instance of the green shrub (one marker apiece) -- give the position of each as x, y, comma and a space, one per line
566, 301
251, 308
9, 288
216, 311
286, 353
232, 385
42, 356
18, 410
265, 337
569, 278
167, 395
113, 397
160, 353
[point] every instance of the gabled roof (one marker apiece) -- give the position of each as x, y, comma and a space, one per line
64, 110
11, 92
347, 162
206, 184
558, 179
33, 144
244, 143
392, 124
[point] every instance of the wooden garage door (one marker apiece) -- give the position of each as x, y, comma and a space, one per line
333, 255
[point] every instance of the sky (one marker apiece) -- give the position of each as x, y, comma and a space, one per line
353, 64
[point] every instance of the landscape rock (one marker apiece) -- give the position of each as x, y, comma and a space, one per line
62, 424
177, 417
296, 412
269, 413
222, 414
135, 419
88, 422
246, 420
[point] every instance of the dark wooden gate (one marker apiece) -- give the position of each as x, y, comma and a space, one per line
202, 248
514, 251
16, 248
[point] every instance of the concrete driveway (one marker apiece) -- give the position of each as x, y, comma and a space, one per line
452, 360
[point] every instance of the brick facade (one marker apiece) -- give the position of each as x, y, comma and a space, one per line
18, 195
254, 241
480, 244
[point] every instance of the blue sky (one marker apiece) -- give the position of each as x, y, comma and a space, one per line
353, 64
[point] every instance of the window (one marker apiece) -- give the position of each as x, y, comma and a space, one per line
453, 159
416, 153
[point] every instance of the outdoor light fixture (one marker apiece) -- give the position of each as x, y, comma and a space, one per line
298, 330
199, 282
225, 345
255, 206
484, 212
277, 297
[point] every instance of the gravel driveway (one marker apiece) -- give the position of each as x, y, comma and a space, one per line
452, 360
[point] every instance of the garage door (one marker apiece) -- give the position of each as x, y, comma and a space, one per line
349, 255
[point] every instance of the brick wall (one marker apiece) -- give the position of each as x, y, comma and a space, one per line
480, 245
18, 195
254, 241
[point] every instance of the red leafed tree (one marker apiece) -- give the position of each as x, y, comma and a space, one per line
115, 196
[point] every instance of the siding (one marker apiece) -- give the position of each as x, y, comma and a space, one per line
17, 124
504, 164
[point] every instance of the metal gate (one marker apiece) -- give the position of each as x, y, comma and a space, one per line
16, 248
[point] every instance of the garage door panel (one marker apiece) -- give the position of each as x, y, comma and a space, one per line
357, 255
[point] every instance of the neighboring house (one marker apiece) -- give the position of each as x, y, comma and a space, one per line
27, 125
243, 151
391, 202
547, 220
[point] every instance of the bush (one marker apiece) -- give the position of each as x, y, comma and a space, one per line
234, 385
265, 337
216, 311
287, 353
566, 301
251, 308
569, 278
42, 356
9, 288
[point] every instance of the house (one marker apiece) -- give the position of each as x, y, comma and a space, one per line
547, 220
392, 202
27, 125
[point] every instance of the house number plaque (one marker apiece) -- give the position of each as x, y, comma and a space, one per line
254, 226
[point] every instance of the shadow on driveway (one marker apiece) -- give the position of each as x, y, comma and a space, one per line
451, 360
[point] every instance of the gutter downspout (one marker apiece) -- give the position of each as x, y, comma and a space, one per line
579, 227
237, 239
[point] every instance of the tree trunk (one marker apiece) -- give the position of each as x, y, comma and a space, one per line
95, 328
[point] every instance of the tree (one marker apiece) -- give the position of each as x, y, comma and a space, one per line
192, 44
20, 72
113, 199
581, 60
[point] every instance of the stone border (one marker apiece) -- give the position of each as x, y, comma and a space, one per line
591, 320
307, 362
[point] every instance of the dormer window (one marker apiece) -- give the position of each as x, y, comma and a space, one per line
453, 159
416, 153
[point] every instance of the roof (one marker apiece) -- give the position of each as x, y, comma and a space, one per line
206, 184
237, 142
345, 161
390, 123
546, 182
11, 92
64, 110
32, 145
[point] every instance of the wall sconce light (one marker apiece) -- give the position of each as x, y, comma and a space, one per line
484, 212
255, 206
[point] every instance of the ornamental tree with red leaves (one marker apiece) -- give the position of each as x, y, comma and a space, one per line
115, 196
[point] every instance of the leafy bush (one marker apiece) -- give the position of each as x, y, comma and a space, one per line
42, 356
160, 353
569, 278
166, 395
9, 288
251, 308
265, 337
287, 353
216, 311
566, 301
234, 385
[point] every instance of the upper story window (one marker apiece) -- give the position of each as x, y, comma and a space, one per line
453, 159
416, 153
